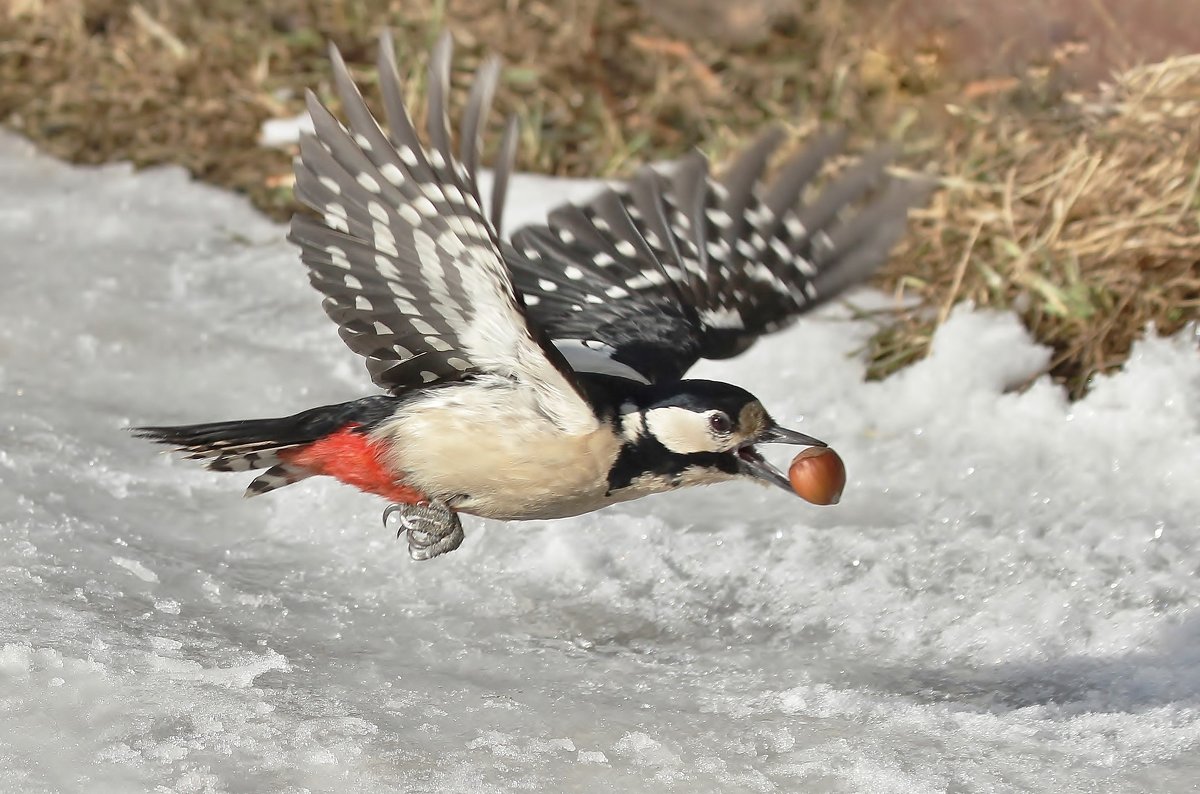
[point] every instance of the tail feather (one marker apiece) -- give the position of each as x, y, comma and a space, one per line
231, 446
242, 461
276, 477
251, 444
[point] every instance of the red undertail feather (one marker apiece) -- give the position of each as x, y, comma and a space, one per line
353, 458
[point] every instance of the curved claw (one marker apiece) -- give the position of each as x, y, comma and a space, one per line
387, 513
433, 528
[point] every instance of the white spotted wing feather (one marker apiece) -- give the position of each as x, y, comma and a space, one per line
671, 268
407, 259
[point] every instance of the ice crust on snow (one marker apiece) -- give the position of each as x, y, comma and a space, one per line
1005, 600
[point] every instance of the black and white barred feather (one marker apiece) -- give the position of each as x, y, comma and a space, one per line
676, 267
240, 446
643, 280
408, 261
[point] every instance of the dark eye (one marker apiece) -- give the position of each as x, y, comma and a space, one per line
719, 423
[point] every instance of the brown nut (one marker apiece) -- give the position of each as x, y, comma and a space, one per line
818, 475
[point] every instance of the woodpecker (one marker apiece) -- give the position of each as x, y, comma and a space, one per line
541, 375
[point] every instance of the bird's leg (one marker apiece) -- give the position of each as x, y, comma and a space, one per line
433, 528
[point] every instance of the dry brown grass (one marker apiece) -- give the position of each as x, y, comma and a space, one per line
1080, 214
1085, 220
599, 86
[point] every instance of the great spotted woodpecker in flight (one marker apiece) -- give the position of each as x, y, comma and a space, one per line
542, 376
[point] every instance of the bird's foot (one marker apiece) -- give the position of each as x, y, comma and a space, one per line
432, 528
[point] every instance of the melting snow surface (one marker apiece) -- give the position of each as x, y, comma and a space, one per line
1004, 601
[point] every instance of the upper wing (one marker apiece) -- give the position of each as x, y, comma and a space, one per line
409, 263
676, 267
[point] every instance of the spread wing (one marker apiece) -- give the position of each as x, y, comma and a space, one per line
671, 268
409, 263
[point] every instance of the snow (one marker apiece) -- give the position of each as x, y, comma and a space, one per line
283, 132
1005, 600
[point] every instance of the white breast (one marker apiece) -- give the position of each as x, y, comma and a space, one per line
485, 445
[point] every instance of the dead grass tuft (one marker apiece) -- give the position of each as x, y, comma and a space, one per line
1084, 219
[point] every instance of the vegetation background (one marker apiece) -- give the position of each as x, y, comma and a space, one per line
1065, 133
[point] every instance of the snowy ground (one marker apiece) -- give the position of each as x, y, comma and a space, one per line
1005, 600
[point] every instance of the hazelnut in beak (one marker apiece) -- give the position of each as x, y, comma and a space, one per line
818, 475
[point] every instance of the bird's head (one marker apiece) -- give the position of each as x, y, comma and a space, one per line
710, 425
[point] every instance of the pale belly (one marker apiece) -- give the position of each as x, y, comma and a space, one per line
498, 457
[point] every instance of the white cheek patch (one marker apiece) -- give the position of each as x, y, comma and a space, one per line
681, 430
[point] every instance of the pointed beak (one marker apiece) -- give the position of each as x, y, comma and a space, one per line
751, 463
781, 435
